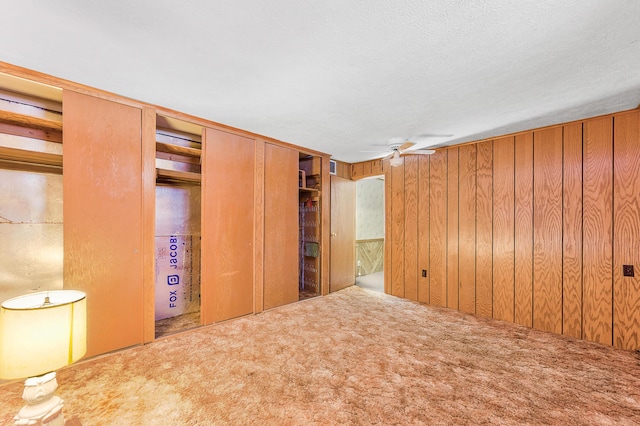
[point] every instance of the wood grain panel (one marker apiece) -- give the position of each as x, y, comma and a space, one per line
280, 226
227, 226
547, 230
149, 222
467, 228
452, 228
343, 170
484, 229
370, 253
366, 168
376, 167
325, 232
343, 233
626, 290
411, 227
598, 231
504, 229
572, 231
397, 231
258, 217
388, 235
423, 227
524, 229
102, 207
438, 228
357, 170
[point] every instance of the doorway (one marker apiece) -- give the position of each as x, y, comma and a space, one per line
370, 233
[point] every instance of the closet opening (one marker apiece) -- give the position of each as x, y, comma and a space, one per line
31, 255
177, 226
309, 226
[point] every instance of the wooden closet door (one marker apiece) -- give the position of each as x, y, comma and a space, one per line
280, 226
343, 233
228, 163
102, 207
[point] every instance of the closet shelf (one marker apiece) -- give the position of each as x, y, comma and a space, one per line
311, 190
23, 120
178, 150
31, 161
177, 176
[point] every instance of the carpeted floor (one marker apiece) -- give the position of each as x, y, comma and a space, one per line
353, 357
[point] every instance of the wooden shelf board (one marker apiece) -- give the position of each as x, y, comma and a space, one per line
309, 190
176, 176
30, 157
30, 122
178, 150
30, 167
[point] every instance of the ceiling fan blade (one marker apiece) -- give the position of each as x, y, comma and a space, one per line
390, 155
420, 151
406, 145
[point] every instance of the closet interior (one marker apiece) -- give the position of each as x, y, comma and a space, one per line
30, 187
310, 225
177, 225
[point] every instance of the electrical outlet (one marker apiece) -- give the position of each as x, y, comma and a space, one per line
627, 270
424, 273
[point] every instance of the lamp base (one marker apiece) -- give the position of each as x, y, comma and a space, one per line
43, 407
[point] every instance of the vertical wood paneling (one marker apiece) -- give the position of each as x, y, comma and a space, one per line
280, 226
598, 231
484, 229
227, 204
524, 229
424, 201
467, 229
357, 170
437, 228
547, 230
325, 245
626, 290
102, 209
572, 231
149, 220
258, 214
397, 231
376, 167
452, 228
388, 234
503, 229
411, 227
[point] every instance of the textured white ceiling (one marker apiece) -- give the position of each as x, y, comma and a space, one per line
344, 76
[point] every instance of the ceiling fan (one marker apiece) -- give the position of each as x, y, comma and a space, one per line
398, 147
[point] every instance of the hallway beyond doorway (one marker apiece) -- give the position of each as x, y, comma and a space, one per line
373, 281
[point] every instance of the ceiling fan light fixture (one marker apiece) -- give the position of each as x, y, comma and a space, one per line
396, 160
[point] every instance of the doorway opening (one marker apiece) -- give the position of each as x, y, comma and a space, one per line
370, 233
177, 226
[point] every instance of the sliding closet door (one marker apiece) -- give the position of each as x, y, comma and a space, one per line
280, 226
102, 205
227, 226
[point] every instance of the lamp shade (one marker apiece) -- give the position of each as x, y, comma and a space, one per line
41, 332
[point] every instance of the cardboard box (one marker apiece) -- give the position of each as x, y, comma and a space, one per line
177, 275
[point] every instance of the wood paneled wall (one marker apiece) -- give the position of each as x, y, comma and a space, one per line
370, 255
365, 169
532, 228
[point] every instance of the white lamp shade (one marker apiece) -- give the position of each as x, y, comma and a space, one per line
37, 337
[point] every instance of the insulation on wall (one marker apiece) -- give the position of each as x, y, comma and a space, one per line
177, 275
